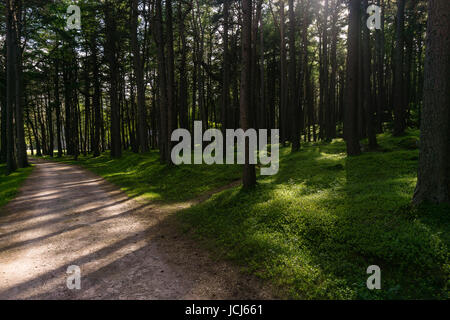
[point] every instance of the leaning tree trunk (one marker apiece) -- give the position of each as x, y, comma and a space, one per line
433, 182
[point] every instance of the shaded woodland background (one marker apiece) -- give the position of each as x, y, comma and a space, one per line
139, 69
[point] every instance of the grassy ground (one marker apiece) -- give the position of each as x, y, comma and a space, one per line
315, 227
9, 185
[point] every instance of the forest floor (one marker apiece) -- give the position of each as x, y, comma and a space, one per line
126, 248
315, 227
310, 232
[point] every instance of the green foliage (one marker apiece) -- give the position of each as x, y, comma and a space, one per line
314, 228
10, 184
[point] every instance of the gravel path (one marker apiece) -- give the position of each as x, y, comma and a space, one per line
126, 249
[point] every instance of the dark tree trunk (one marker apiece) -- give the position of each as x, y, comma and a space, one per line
11, 164
22, 159
171, 114
49, 114
284, 132
381, 100
249, 174
96, 99
399, 103
162, 80
334, 70
3, 105
293, 91
111, 55
433, 183
138, 71
225, 67
325, 81
351, 107
183, 104
367, 90
58, 109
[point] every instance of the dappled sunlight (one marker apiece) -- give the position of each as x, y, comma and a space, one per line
318, 224
126, 249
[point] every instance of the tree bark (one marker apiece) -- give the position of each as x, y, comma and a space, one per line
22, 159
110, 52
225, 67
293, 91
351, 110
399, 107
139, 74
162, 80
249, 174
11, 164
367, 74
433, 183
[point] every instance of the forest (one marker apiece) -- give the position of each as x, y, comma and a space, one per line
358, 89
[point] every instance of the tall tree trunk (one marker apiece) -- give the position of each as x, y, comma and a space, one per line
325, 81
96, 99
293, 91
399, 103
249, 174
58, 109
225, 67
284, 132
381, 100
262, 103
22, 159
171, 113
49, 114
159, 39
138, 71
3, 116
68, 105
433, 183
334, 70
367, 73
351, 110
11, 164
111, 55
183, 99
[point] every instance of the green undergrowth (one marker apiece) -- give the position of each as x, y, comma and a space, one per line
315, 227
10, 184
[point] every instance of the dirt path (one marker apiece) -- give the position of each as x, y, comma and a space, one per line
66, 216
